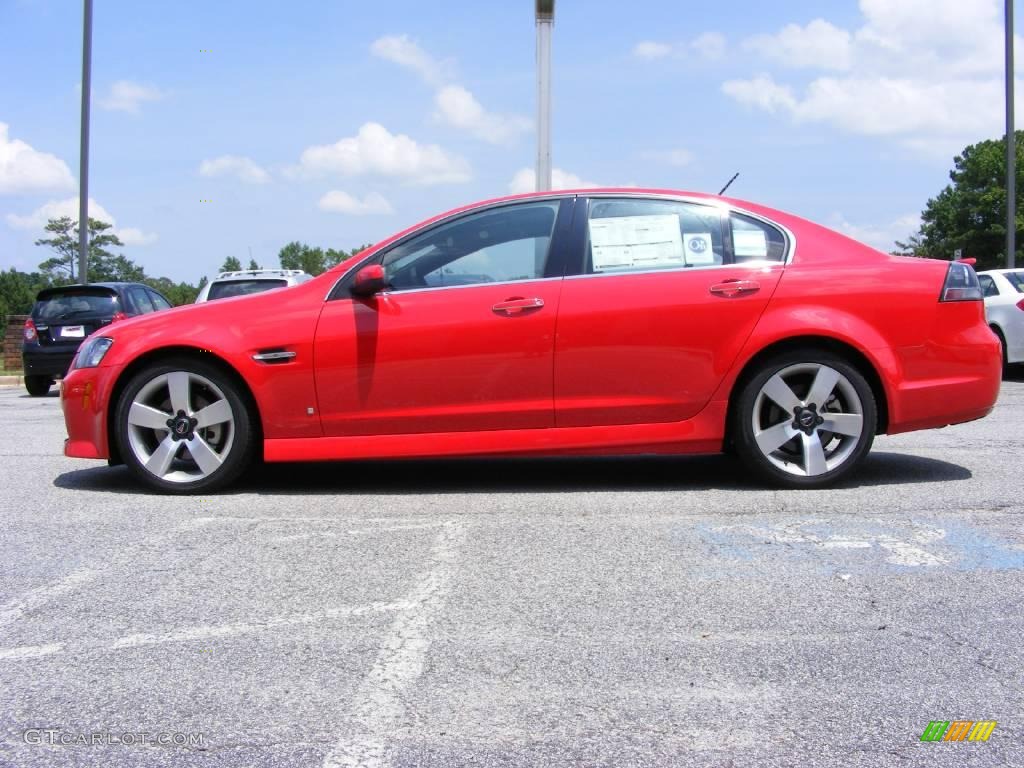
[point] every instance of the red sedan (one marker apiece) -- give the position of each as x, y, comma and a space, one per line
589, 322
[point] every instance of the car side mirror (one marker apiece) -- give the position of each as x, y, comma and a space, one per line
369, 280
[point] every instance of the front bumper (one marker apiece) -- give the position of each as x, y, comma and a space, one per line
84, 396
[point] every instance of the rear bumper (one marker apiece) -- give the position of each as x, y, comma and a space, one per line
39, 360
946, 381
84, 395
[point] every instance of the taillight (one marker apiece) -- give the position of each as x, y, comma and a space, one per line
30, 331
961, 284
1020, 305
118, 316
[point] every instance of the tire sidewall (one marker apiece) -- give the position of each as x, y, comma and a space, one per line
242, 442
746, 445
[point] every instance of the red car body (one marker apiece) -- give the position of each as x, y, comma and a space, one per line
636, 362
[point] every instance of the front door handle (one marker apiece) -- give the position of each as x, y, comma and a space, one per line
733, 288
517, 305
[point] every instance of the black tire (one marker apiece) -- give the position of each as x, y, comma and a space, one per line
854, 449
38, 386
1002, 345
242, 447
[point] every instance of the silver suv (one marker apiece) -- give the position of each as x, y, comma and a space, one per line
245, 282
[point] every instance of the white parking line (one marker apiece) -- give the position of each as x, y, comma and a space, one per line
400, 661
34, 598
30, 651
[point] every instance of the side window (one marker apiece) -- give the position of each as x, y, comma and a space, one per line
753, 240
159, 301
140, 298
627, 235
988, 285
500, 245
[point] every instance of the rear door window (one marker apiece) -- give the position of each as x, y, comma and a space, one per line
140, 298
753, 240
159, 301
1016, 279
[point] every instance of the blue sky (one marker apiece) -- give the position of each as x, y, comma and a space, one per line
338, 123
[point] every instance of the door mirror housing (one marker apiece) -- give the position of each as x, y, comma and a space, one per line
369, 280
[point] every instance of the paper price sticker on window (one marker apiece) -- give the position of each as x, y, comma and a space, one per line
699, 248
636, 242
750, 244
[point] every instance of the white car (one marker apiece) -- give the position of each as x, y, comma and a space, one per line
242, 283
1004, 309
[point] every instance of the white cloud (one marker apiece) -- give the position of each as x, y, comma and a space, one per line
25, 170
55, 209
819, 45
126, 96
525, 180
342, 202
377, 151
884, 236
242, 168
400, 50
675, 157
652, 49
927, 73
709, 46
457, 107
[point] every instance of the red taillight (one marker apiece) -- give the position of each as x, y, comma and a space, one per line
118, 316
1020, 305
30, 331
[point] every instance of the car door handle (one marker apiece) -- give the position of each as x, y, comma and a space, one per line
517, 305
732, 288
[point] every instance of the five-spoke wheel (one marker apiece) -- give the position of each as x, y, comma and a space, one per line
184, 426
804, 419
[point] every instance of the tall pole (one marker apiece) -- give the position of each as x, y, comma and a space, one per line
83, 173
1011, 148
545, 22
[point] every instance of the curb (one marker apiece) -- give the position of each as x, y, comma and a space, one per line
11, 381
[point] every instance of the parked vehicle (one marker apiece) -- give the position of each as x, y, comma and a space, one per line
1004, 308
602, 321
63, 316
228, 284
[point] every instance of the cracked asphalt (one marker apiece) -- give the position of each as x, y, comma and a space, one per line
591, 612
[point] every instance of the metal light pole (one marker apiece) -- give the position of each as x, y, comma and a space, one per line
1011, 148
545, 23
83, 173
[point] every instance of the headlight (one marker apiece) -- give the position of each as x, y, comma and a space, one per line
91, 353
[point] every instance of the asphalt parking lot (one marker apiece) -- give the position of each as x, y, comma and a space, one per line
599, 612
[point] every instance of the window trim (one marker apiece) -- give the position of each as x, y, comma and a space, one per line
559, 250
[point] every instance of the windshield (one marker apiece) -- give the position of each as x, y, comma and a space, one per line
63, 305
1016, 279
228, 288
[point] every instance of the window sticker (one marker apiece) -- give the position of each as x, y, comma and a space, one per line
699, 248
750, 243
636, 242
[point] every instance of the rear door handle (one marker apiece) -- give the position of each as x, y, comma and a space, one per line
732, 288
517, 305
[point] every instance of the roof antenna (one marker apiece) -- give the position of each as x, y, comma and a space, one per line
735, 176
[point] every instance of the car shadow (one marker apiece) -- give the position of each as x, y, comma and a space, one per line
1014, 372
568, 475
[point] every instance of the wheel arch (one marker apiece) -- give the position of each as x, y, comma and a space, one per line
178, 351
847, 351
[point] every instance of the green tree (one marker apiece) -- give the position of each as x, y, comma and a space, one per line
253, 265
296, 255
231, 264
102, 264
970, 213
176, 293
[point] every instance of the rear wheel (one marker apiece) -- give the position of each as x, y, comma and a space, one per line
38, 386
183, 426
805, 419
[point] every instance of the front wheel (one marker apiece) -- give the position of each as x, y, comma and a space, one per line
183, 426
806, 419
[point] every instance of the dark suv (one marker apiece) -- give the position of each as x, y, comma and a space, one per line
63, 316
